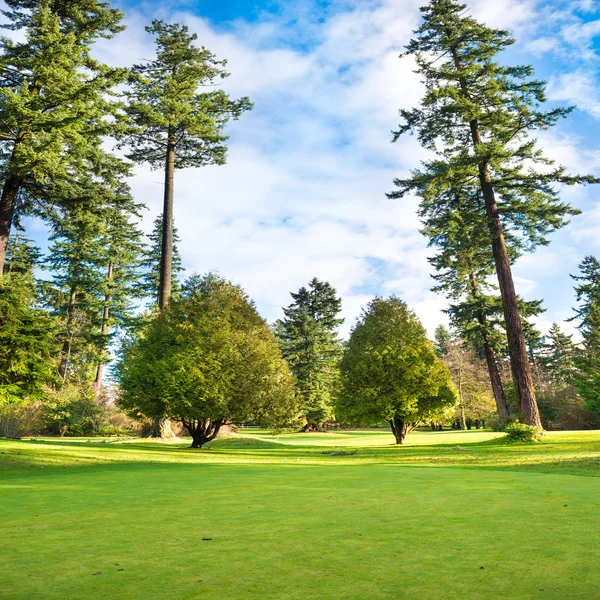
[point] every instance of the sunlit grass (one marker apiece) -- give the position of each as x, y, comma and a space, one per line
339, 515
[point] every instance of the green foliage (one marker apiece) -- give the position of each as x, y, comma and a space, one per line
149, 282
389, 369
164, 105
308, 339
27, 342
520, 432
206, 360
587, 378
54, 100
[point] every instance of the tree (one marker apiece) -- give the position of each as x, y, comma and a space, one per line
27, 341
123, 250
309, 342
150, 281
206, 360
390, 371
587, 379
172, 125
54, 97
442, 340
477, 115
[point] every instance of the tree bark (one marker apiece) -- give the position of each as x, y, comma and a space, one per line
517, 347
8, 202
104, 329
399, 429
166, 255
490, 356
65, 355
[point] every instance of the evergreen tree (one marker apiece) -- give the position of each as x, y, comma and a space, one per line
27, 341
54, 97
150, 281
76, 259
559, 356
477, 116
309, 342
172, 125
587, 380
390, 371
442, 340
122, 241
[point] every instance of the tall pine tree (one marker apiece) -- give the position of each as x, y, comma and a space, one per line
172, 125
477, 116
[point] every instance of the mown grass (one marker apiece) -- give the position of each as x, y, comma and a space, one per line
301, 516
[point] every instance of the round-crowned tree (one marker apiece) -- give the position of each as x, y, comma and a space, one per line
206, 360
390, 371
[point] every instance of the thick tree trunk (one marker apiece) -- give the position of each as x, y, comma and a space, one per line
166, 256
399, 429
65, 355
8, 202
104, 329
161, 428
490, 356
202, 432
517, 348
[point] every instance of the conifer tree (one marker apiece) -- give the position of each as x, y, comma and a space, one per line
172, 125
54, 96
122, 241
76, 258
587, 313
559, 356
309, 342
150, 281
477, 115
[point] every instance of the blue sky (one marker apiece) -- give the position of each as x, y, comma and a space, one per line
303, 193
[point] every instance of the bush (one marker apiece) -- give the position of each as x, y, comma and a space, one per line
519, 432
18, 420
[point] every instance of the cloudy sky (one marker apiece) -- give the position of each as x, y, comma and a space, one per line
303, 192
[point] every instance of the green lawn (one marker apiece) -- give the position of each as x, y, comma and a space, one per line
451, 515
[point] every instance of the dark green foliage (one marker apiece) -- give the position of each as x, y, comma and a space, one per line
149, 282
163, 101
309, 342
27, 342
206, 360
587, 379
390, 371
442, 340
54, 100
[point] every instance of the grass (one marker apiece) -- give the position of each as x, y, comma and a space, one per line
301, 516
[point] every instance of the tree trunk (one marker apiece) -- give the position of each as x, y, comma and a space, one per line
517, 348
166, 255
8, 202
65, 354
490, 356
399, 429
104, 329
203, 432
161, 428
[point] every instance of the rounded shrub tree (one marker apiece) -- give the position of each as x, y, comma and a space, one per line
390, 371
206, 360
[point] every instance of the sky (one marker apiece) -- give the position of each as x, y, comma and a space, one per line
303, 190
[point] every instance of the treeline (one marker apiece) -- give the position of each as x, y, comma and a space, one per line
198, 352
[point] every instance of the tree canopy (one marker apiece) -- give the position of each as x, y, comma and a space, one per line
390, 371
206, 360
